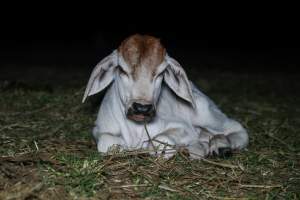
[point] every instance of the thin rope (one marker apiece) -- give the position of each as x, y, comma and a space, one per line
145, 125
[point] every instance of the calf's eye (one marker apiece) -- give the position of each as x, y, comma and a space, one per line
122, 71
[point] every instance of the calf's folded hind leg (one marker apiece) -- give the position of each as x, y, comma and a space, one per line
219, 145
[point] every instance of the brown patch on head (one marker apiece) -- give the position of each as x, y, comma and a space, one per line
142, 50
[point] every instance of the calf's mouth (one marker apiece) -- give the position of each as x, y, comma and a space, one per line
140, 118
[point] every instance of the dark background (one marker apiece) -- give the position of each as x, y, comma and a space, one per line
251, 42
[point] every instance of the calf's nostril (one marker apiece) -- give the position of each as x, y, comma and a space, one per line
142, 108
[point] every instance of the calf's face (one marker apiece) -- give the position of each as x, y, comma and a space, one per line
139, 67
140, 75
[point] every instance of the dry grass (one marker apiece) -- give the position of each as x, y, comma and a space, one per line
47, 151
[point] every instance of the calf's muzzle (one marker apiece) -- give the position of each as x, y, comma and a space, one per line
140, 112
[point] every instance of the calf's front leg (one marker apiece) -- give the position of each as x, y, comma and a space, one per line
105, 141
168, 142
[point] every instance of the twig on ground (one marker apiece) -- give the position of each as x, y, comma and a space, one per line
216, 163
36, 145
164, 187
164, 143
280, 141
132, 153
274, 131
10, 126
28, 112
51, 133
133, 185
150, 140
260, 186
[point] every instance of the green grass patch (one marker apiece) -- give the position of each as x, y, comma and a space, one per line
45, 138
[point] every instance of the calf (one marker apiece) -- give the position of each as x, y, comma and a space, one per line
146, 85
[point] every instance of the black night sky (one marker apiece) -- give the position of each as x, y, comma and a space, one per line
236, 42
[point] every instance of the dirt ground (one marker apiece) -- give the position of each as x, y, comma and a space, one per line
47, 152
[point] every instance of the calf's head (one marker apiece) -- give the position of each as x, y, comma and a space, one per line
138, 68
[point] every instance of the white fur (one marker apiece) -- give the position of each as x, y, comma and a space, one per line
177, 122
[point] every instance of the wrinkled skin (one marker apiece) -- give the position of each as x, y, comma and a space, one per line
180, 115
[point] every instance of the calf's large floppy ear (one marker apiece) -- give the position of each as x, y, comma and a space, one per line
176, 78
102, 75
